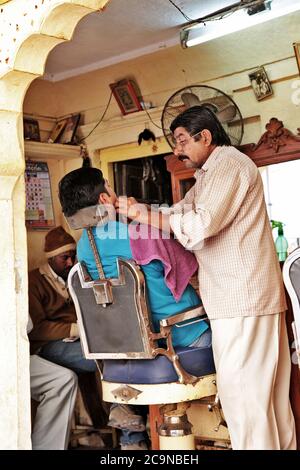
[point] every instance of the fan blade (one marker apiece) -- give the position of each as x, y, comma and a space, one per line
227, 113
202, 95
214, 102
190, 99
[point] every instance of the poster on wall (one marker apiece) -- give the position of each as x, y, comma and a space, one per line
39, 208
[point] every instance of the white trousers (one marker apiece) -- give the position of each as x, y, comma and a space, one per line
253, 366
55, 388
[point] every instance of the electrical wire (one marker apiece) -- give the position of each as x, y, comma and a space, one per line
199, 20
222, 14
180, 11
100, 120
152, 120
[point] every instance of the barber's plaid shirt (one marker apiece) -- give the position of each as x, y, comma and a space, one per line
224, 221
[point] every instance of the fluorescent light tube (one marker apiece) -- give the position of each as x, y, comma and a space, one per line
198, 33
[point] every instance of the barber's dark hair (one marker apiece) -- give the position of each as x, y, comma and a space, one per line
80, 188
197, 118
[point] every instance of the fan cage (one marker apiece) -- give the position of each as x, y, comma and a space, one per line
208, 96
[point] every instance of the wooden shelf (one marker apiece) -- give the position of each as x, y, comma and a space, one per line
43, 150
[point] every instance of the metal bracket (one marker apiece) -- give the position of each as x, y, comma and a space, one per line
216, 408
103, 292
126, 393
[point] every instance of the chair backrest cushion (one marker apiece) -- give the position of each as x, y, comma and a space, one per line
118, 330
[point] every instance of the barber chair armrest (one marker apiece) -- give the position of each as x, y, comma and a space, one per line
166, 332
197, 312
188, 314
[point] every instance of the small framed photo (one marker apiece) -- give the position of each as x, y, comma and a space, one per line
260, 83
68, 134
126, 94
31, 129
57, 131
296, 46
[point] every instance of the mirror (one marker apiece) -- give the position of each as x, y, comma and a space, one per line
282, 194
277, 153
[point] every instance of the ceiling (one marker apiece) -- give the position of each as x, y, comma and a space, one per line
124, 30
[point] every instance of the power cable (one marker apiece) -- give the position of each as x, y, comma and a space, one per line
152, 120
180, 11
100, 120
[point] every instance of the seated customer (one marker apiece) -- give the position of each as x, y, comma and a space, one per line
54, 336
51, 308
54, 388
86, 187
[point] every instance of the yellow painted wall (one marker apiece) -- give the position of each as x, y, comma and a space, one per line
223, 63
41, 99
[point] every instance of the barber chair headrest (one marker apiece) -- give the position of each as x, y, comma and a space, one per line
88, 217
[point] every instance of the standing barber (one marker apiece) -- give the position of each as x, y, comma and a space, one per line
223, 220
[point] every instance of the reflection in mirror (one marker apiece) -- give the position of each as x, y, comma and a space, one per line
282, 194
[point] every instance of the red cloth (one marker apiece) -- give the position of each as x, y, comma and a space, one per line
179, 264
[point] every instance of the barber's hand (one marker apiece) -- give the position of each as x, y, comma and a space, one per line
128, 206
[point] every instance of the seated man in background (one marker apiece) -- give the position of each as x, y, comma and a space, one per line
54, 388
54, 336
86, 187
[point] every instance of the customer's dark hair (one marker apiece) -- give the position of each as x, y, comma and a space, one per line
197, 118
80, 188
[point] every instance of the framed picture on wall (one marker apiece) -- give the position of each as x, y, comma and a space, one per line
126, 94
68, 134
296, 46
57, 131
260, 83
31, 129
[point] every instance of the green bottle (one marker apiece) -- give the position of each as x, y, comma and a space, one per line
281, 242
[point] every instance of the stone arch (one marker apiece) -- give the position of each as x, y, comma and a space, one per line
29, 30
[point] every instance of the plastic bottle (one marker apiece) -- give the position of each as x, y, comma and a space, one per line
281, 242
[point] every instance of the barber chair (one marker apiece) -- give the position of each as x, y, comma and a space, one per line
116, 331
291, 278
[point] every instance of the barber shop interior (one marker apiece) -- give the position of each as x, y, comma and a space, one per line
150, 267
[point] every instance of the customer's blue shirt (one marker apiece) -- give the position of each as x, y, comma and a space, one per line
112, 242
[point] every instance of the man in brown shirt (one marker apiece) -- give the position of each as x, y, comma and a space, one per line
55, 334
55, 330
223, 220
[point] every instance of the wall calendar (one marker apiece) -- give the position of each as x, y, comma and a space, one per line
39, 208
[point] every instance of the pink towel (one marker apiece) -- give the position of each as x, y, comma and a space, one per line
179, 264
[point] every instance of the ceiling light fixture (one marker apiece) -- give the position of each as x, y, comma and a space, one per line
234, 18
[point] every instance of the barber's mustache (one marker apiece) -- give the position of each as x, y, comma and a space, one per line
183, 157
